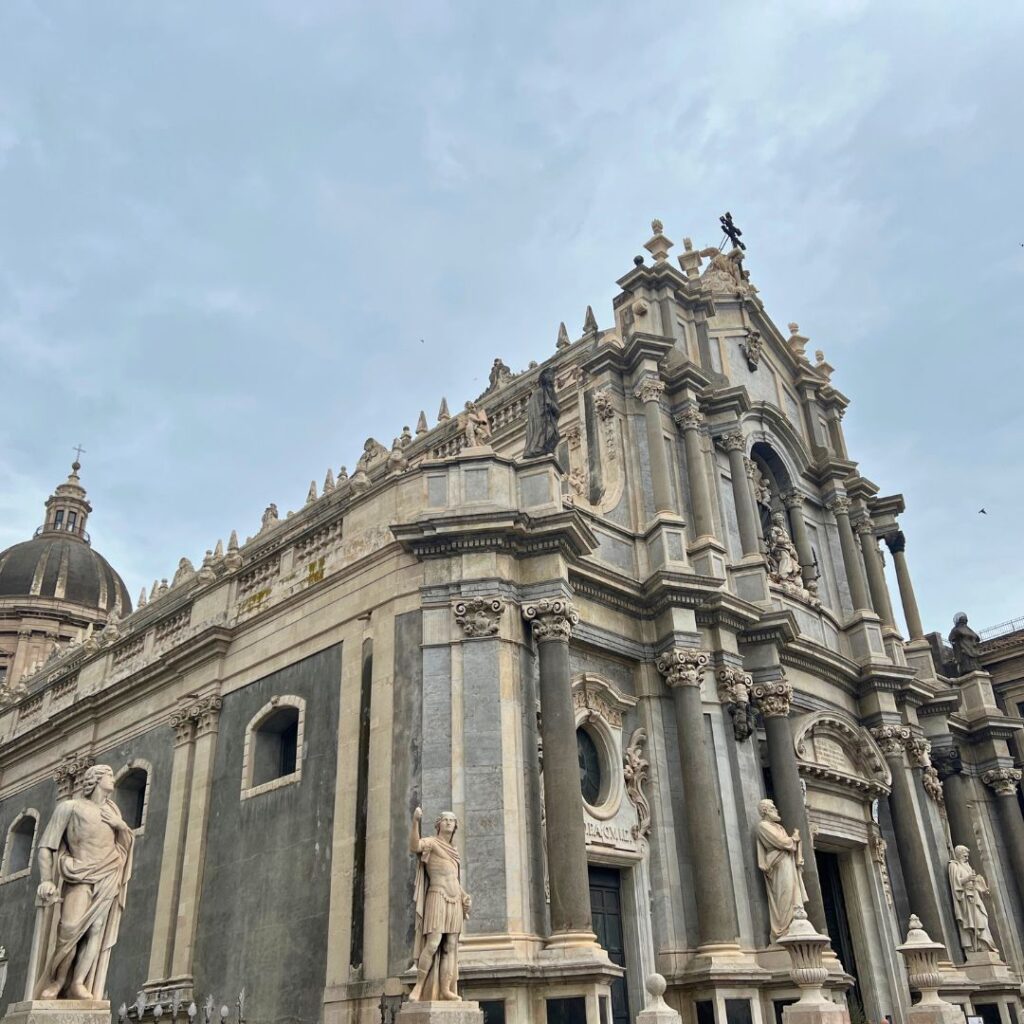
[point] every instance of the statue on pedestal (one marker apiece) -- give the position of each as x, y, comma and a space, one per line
85, 861
780, 858
442, 906
971, 916
965, 646
542, 417
783, 559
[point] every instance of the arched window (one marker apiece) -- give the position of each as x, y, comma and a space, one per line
19, 847
131, 793
274, 746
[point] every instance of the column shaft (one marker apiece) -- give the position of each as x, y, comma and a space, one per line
649, 391
876, 574
717, 920
794, 501
696, 474
852, 563
1003, 782
897, 544
746, 515
961, 831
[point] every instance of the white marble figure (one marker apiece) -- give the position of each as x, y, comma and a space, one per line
971, 916
85, 861
780, 858
442, 905
784, 561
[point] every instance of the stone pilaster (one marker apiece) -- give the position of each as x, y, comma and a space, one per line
852, 563
691, 422
735, 444
551, 622
897, 544
1004, 782
649, 391
717, 920
773, 699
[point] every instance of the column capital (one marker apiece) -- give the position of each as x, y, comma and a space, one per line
690, 418
919, 751
683, 666
793, 498
839, 505
551, 618
649, 389
896, 542
734, 441
1002, 781
67, 773
892, 739
773, 698
733, 684
863, 525
205, 712
947, 762
479, 616
182, 726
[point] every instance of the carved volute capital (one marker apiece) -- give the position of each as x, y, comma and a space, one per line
67, 772
683, 666
1002, 781
479, 616
891, 739
839, 505
690, 418
733, 684
896, 542
947, 762
204, 714
792, 498
734, 441
919, 751
551, 618
773, 698
182, 726
649, 389
863, 525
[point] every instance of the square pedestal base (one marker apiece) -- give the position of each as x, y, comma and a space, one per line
820, 1011
58, 1011
441, 1012
935, 1013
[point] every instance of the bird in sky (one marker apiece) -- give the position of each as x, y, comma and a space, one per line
982, 512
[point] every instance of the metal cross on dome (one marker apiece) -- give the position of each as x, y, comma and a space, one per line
78, 449
732, 232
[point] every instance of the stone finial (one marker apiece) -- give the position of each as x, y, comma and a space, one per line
656, 1010
658, 245
563, 336
342, 475
794, 327
589, 322
329, 481
405, 438
141, 603
218, 551
421, 424
154, 592
443, 415
311, 493
826, 369
233, 559
233, 541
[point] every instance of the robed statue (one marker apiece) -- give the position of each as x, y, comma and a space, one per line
542, 417
85, 862
965, 645
442, 906
780, 858
968, 888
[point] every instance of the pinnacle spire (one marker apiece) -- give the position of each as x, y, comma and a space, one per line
563, 336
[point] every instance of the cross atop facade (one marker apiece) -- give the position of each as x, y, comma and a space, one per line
78, 449
732, 231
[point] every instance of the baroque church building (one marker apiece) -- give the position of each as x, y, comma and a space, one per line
603, 656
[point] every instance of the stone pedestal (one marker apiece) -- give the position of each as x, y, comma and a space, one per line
447, 1011
816, 1011
58, 1011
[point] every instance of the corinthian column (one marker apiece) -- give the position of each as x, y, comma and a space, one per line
735, 444
794, 502
551, 621
717, 921
1003, 782
774, 699
876, 573
691, 420
649, 391
893, 740
897, 544
840, 508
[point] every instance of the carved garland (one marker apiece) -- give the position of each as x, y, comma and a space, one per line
635, 770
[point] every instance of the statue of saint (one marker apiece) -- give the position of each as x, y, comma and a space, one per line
442, 905
782, 554
542, 417
476, 425
971, 916
85, 861
965, 645
780, 857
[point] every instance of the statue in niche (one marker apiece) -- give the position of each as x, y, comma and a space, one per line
780, 858
965, 646
475, 424
542, 417
85, 861
442, 906
971, 916
783, 558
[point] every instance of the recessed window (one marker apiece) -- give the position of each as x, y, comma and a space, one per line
58, 519
273, 746
72, 519
130, 792
21, 840
590, 766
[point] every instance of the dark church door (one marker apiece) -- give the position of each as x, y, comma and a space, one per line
606, 910
835, 915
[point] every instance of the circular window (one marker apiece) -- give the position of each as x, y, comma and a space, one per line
590, 766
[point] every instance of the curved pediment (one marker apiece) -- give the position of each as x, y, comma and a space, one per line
833, 747
597, 696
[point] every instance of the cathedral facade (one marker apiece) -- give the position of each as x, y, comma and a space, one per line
602, 615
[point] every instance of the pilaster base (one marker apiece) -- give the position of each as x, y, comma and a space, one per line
723, 964
58, 1011
708, 557
987, 967
935, 1012
864, 630
449, 1011
815, 1011
665, 539
750, 579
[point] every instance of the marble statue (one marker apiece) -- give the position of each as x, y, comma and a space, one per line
85, 862
971, 916
965, 645
542, 417
780, 857
782, 554
442, 905
500, 374
476, 425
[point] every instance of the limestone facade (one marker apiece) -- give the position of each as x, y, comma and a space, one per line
600, 660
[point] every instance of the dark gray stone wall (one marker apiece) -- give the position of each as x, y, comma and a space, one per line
621, 673
406, 781
267, 879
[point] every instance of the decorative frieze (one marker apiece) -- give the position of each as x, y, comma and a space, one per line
683, 666
1002, 781
891, 739
551, 618
773, 697
479, 616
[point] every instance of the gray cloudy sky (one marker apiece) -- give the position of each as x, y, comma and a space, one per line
224, 229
